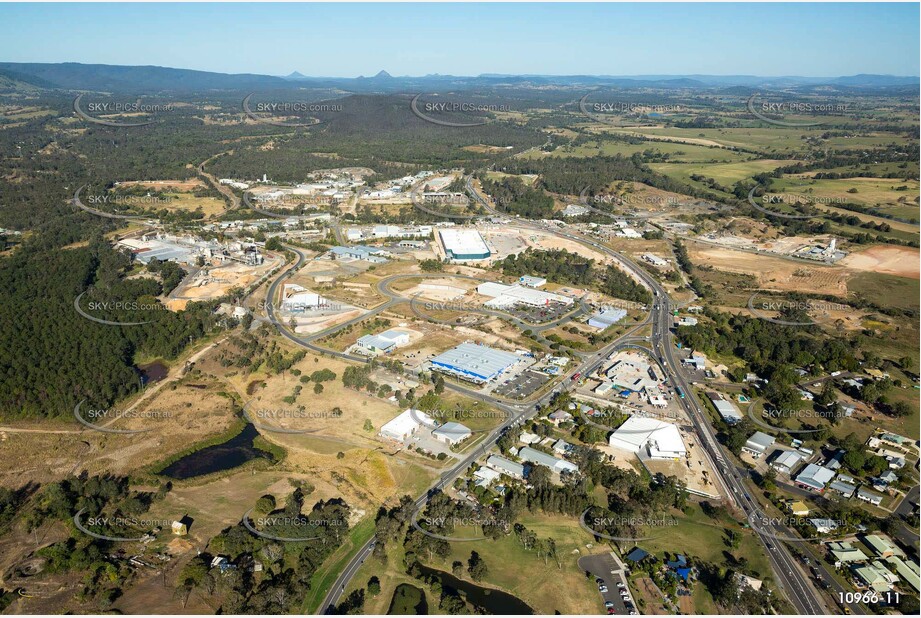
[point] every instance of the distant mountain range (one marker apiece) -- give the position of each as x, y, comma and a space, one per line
148, 79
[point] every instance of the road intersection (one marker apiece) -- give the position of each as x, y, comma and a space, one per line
789, 573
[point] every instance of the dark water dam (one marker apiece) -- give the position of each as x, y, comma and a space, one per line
153, 372
230, 454
493, 601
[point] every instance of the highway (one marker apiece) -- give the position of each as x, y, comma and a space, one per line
793, 581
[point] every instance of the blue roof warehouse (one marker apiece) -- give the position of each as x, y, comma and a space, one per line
474, 362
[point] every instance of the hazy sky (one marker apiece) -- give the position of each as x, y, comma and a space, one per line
347, 40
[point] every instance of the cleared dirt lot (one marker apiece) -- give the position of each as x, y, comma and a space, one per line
177, 417
773, 273
900, 261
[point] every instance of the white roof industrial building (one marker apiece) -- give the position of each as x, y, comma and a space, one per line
532, 282
452, 433
556, 464
606, 318
758, 443
510, 295
383, 342
661, 440
727, 409
474, 362
505, 466
297, 298
787, 461
814, 477
633, 370
461, 244
406, 424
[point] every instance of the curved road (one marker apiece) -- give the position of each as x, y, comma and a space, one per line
790, 578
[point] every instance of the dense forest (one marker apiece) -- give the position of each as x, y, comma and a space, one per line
572, 175
57, 357
513, 196
561, 266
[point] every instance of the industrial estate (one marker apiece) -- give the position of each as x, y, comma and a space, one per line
515, 345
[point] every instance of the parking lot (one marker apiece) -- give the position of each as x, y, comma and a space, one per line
606, 568
522, 385
542, 314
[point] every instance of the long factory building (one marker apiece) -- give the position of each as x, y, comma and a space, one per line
474, 362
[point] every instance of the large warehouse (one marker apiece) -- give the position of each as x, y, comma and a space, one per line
296, 298
504, 296
406, 424
474, 362
463, 244
661, 440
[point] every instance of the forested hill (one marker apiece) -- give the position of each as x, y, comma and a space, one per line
112, 78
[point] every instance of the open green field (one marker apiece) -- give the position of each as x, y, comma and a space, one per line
899, 292
842, 228
543, 585
869, 191
699, 536
902, 212
392, 573
873, 170
726, 174
683, 153
771, 139
527, 179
